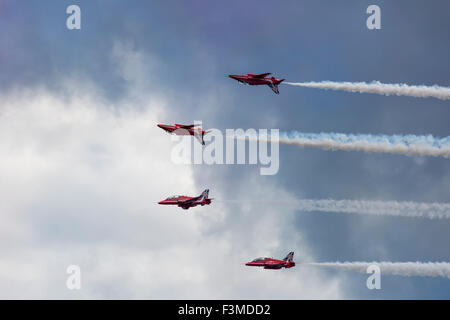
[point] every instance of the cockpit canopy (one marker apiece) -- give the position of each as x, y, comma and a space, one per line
258, 259
173, 197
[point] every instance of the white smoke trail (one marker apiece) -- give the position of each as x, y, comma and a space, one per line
377, 87
430, 210
393, 208
430, 269
406, 145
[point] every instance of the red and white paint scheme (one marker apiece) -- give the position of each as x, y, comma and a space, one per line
271, 263
186, 202
185, 130
258, 79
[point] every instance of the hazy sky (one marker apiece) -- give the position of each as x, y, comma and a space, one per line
83, 163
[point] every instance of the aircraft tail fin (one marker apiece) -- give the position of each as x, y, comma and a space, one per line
289, 257
274, 85
274, 88
199, 137
205, 194
203, 135
199, 134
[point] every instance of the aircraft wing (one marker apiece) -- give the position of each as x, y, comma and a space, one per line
189, 201
274, 265
187, 126
261, 75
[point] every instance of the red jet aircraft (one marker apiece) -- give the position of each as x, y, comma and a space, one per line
185, 130
271, 263
188, 202
258, 79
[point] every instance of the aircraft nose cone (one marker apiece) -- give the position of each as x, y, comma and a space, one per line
161, 126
